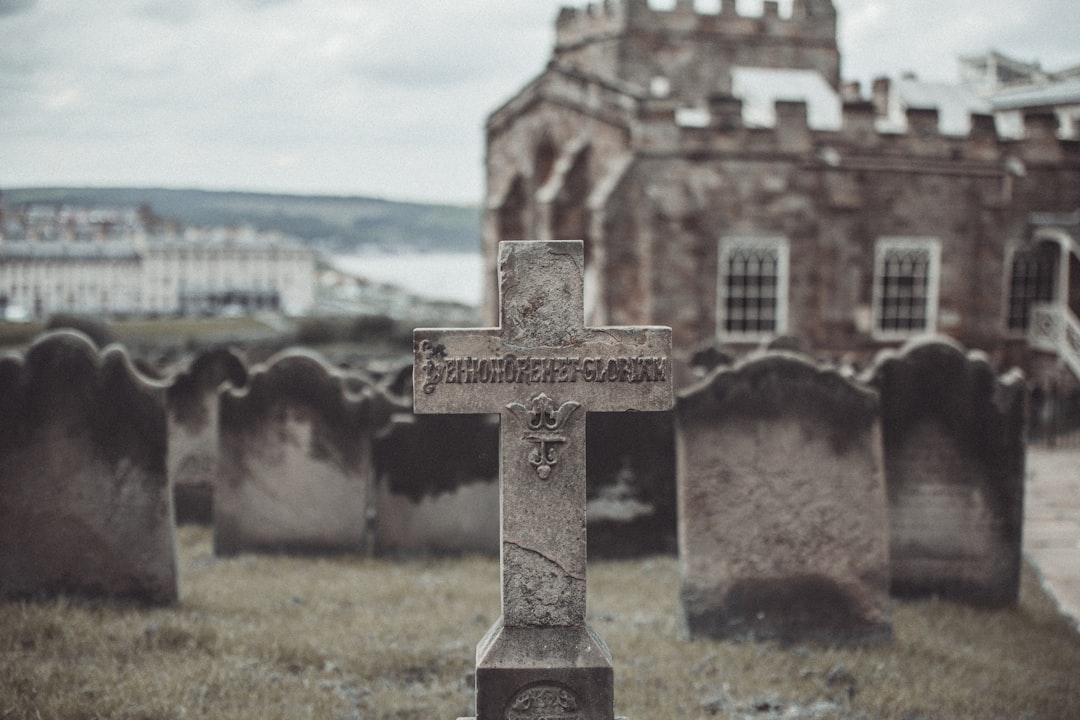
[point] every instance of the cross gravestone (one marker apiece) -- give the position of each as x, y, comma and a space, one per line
542, 370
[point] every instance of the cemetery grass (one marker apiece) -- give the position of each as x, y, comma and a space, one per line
352, 637
175, 330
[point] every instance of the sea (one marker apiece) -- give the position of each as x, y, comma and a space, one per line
456, 277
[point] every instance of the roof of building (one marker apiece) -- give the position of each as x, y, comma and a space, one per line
955, 104
1065, 92
123, 249
761, 88
110, 250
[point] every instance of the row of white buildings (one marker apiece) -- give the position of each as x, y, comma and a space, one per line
139, 273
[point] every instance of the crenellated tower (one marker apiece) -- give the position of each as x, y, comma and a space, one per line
687, 53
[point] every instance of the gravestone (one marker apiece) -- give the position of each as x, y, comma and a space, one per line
631, 484
542, 370
192, 404
85, 503
295, 472
953, 435
438, 484
783, 531
438, 479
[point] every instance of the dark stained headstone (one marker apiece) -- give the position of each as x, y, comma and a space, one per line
192, 404
782, 515
631, 484
438, 485
953, 436
543, 371
295, 472
85, 503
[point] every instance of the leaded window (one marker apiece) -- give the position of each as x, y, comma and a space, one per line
753, 288
906, 286
1031, 281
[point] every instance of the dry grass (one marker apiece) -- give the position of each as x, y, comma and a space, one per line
270, 637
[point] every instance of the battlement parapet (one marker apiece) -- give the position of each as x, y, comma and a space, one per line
719, 127
809, 19
576, 25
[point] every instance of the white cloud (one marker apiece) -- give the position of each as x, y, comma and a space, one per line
884, 37
365, 96
10, 7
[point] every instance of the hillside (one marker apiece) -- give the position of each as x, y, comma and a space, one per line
340, 224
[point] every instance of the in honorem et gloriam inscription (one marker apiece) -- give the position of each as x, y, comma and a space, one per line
439, 369
543, 371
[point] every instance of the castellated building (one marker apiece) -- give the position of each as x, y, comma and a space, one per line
727, 183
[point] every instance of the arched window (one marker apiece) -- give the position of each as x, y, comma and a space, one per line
753, 288
1032, 276
570, 220
906, 277
511, 214
544, 162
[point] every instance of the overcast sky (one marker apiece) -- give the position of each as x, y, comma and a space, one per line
384, 98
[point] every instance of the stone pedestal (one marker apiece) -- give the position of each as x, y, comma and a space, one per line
562, 673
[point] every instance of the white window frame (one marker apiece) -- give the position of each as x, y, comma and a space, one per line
1007, 291
886, 246
733, 244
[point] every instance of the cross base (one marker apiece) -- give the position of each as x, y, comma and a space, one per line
561, 673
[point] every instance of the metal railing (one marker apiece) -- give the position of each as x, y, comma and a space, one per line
1055, 416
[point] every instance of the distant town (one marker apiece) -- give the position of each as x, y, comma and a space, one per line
127, 261
74, 252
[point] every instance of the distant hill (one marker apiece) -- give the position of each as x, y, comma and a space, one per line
332, 223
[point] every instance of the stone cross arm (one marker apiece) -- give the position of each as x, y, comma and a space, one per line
542, 346
607, 370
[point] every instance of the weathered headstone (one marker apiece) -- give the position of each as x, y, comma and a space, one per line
295, 472
85, 503
543, 371
438, 485
782, 515
192, 404
631, 484
438, 479
953, 434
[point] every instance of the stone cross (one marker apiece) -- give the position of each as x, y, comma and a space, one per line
542, 370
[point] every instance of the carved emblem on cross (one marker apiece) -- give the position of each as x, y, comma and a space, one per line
543, 421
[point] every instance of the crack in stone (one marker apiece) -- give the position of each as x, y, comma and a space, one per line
570, 254
565, 572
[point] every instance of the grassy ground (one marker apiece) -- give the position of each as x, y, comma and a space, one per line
275, 637
161, 331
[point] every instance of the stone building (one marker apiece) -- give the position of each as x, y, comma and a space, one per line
728, 184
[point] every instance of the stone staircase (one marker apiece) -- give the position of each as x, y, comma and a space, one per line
1055, 329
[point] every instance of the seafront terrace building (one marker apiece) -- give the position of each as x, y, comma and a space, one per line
138, 273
